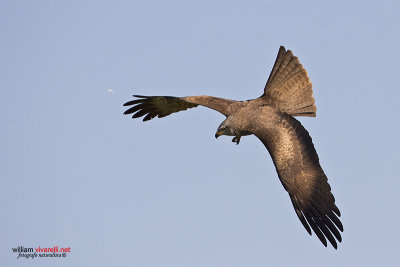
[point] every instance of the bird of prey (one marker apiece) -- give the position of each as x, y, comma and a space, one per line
287, 93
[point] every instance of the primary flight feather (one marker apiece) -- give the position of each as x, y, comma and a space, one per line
287, 93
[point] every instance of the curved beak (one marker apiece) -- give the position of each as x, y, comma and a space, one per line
218, 133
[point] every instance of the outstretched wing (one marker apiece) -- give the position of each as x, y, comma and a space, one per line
298, 168
289, 87
161, 106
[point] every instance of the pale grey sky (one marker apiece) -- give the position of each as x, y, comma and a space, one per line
76, 172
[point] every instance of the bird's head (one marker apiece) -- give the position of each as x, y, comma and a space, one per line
226, 128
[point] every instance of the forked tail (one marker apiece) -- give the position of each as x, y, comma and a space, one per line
289, 87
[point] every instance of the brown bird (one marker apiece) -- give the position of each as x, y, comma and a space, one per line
288, 93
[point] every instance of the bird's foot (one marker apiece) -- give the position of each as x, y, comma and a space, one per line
236, 139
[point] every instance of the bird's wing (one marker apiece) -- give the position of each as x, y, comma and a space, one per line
297, 164
161, 106
289, 87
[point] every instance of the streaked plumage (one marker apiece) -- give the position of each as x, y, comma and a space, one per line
288, 93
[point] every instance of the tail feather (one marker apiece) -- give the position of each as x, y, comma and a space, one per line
290, 87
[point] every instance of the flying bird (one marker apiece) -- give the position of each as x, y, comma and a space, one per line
287, 93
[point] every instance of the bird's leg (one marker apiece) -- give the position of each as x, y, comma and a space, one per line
236, 139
